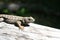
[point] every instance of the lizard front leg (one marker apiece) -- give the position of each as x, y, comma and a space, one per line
19, 24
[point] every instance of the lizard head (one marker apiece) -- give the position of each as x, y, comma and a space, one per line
29, 19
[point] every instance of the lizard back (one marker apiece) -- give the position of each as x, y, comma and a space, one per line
11, 18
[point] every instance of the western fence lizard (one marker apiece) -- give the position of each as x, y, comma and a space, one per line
16, 19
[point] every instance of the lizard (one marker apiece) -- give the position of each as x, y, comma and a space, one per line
16, 19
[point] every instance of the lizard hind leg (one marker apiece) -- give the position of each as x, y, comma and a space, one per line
20, 26
1, 19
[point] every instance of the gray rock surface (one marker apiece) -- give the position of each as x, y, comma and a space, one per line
34, 32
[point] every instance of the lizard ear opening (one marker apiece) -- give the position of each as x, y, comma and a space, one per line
25, 20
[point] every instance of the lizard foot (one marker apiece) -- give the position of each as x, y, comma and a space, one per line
21, 27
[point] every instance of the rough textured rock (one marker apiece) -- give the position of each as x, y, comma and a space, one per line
34, 32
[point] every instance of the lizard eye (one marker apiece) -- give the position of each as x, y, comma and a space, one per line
29, 19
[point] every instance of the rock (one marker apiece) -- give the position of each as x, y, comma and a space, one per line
34, 32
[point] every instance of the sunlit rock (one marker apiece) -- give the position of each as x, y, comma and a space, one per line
33, 32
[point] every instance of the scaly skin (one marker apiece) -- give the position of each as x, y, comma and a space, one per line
16, 19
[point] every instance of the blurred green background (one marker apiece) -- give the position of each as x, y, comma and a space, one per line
46, 12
